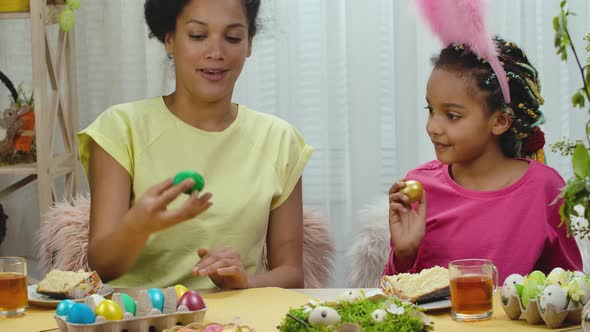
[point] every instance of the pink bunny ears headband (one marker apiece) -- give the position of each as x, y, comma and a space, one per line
463, 22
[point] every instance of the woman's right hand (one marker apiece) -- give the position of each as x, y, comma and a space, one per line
149, 214
406, 225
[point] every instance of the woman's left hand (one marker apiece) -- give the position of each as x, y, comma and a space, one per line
224, 267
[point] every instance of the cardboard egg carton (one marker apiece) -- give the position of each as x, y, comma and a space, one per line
533, 314
147, 318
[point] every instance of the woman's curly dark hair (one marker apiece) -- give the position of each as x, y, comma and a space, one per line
161, 15
523, 81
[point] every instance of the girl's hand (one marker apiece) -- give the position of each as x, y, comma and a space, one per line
149, 214
406, 225
223, 266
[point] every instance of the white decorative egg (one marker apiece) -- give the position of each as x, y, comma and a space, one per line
323, 316
508, 288
351, 296
557, 276
578, 290
553, 294
379, 315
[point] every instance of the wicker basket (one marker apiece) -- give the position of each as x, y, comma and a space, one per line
17, 145
23, 141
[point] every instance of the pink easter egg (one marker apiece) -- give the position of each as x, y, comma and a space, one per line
192, 300
213, 328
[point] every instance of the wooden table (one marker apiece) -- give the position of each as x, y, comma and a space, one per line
264, 308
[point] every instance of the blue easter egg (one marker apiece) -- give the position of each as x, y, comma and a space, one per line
63, 307
157, 298
80, 313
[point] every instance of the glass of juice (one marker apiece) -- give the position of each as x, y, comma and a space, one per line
473, 283
13, 286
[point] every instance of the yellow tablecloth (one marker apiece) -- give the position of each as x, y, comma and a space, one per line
261, 308
35, 319
264, 309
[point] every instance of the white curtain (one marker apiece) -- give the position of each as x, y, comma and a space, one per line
349, 74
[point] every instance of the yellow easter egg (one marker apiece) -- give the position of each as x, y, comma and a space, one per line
109, 310
180, 290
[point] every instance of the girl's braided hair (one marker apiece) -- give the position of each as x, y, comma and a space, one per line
524, 137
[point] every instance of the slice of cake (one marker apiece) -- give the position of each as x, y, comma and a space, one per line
428, 285
69, 285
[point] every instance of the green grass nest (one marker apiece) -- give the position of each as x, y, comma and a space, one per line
359, 312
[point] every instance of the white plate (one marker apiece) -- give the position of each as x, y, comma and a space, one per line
427, 306
49, 302
436, 305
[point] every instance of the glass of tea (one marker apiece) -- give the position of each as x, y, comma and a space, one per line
473, 283
13, 286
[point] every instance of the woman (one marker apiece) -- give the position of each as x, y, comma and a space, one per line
144, 232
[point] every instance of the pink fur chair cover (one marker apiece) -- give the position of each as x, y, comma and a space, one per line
370, 248
63, 242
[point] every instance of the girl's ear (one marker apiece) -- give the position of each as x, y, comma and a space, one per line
501, 123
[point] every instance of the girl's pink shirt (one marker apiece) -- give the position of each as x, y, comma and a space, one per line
516, 227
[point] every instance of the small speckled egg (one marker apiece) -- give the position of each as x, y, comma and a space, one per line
557, 276
323, 316
157, 298
508, 288
553, 294
180, 290
351, 296
379, 315
80, 313
129, 303
109, 310
63, 307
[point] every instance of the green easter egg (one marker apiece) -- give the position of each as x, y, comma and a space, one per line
129, 304
519, 289
183, 175
538, 276
73, 4
67, 20
530, 292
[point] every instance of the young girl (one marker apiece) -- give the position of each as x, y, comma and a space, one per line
144, 232
485, 199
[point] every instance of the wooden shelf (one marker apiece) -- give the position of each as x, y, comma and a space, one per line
22, 169
56, 106
52, 13
14, 15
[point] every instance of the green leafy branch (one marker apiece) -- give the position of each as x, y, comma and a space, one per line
23, 98
577, 190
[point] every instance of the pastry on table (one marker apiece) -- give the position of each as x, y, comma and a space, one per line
428, 285
69, 285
